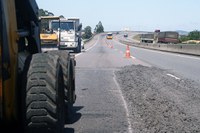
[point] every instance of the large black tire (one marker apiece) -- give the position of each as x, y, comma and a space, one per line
64, 58
68, 66
72, 81
44, 95
71, 92
79, 44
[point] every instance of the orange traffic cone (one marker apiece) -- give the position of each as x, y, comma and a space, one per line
128, 54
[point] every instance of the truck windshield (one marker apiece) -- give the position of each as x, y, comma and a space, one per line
63, 26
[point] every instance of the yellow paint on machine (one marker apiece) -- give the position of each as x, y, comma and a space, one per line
48, 36
8, 88
109, 37
48, 39
1, 93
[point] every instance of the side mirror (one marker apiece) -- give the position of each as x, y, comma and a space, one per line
79, 27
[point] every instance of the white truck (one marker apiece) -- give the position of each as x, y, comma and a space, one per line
147, 38
69, 33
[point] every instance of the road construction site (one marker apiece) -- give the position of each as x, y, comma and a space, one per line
144, 92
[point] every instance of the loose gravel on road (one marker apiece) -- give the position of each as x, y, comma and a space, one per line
158, 103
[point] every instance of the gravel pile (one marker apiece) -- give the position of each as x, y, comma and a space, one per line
158, 102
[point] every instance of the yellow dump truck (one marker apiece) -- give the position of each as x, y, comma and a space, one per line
36, 89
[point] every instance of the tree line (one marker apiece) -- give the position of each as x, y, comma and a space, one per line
88, 30
193, 35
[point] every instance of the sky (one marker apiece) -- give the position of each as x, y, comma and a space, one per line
136, 15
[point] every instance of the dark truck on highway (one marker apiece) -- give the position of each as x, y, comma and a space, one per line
167, 37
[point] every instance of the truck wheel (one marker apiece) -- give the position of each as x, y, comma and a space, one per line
79, 46
72, 80
44, 95
68, 67
71, 91
77, 50
64, 58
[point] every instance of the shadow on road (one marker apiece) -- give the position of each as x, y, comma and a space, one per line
75, 115
69, 130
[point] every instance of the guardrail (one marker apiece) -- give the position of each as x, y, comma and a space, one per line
87, 40
191, 49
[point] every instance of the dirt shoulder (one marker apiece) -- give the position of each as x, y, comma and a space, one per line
158, 102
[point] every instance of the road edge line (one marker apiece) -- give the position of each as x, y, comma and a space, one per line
130, 130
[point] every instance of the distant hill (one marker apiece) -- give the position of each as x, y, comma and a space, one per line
182, 32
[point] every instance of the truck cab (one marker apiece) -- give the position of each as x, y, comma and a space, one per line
69, 32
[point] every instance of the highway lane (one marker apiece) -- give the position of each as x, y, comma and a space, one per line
183, 65
106, 103
100, 106
131, 34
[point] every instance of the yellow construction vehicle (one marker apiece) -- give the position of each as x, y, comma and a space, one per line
109, 35
48, 35
35, 88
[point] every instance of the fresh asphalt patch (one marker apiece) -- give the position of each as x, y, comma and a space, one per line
158, 102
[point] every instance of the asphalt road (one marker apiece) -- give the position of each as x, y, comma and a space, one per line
150, 92
100, 106
183, 65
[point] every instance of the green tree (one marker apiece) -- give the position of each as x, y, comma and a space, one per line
99, 28
61, 16
184, 38
88, 32
194, 35
43, 12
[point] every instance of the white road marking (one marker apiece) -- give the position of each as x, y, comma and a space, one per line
78, 54
130, 130
133, 57
173, 76
88, 48
92, 46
